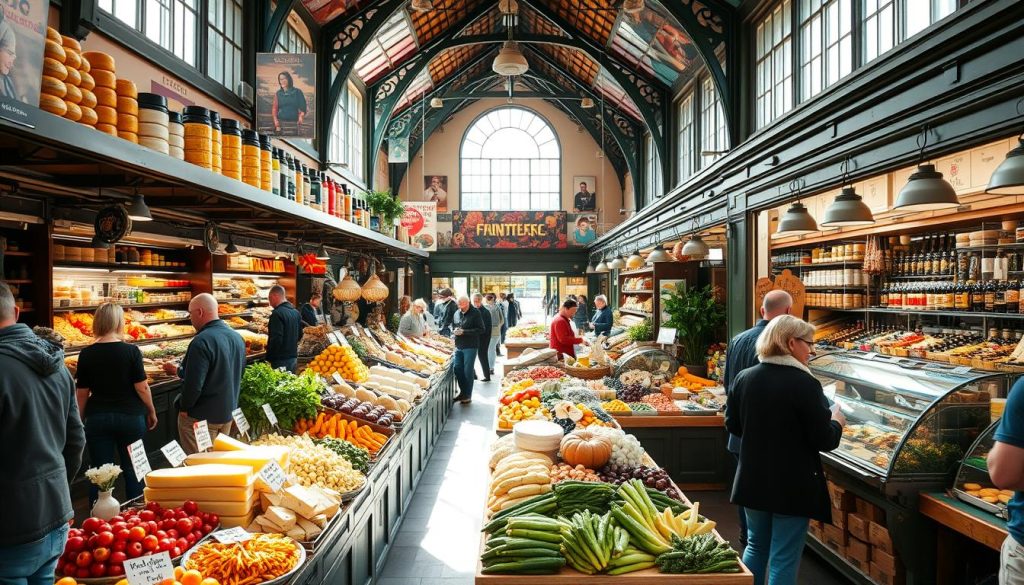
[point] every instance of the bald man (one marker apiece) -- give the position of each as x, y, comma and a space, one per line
742, 355
211, 373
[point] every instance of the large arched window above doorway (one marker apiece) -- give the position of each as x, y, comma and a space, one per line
511, 159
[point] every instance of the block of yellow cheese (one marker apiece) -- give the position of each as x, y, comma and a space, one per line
232, 521
206, 494
226, 443
254, 457
212, 475
281, 516
213, 506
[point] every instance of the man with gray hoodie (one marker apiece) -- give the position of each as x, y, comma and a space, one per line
44, 438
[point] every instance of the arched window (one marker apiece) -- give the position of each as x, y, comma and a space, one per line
510, 160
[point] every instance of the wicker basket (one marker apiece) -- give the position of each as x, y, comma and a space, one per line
588, 373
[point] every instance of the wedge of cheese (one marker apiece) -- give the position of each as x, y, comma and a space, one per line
225, 443
232, 521
216, 507
254, 457
196, 476
281, 516
205, 494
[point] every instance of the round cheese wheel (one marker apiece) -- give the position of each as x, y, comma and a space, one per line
52, 34
126, 88
88, 99
74, 112
70, 43
106, 115
176, 152
74, 77
105, 96
150, 130
175, 140
154, 144
104, 78
107, 128
100, 60
74, 94
127, 123
88, 116
85, 66
72, 58
54, 68
55, 51
204, 144
127, 105
231, 166
87, 80
154, 117
54, 87
52, 104
129, 136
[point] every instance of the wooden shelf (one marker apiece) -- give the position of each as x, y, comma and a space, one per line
131, 306
1015, 245
818, 264
638, 292
835, 287
17, 253
66, 265
880, 310
638, 313
636, 271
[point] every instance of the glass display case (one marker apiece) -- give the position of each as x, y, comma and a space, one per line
658, 362
973, 484
907, 419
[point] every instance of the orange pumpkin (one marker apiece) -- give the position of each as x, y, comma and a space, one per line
587, 449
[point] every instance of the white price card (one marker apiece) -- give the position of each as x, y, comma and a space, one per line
236, 534
961, 369
270, 414
666, 335
202, 432
240, 421
149, 569
174, 453
137, 453
870, 355
337, 378
272, 475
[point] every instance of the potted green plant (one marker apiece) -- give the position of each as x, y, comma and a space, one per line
387, 207
696, 317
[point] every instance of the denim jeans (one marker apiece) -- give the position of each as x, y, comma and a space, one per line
286, 364
504, 330
1011, 563
464, 370
742, 511
33, 563
492, 352
775, 543
108, 435
481, 355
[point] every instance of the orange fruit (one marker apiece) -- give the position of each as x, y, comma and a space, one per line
178, 572
210, 581
191, 577
67, 581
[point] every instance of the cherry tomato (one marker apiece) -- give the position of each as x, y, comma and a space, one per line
213, 520
172, 533
122, 534
166, 524
133, 522
151, 527
119, 546
191, 538
75, 544
175, 552
69, 569
117, 558
115, 526
84, 559
136, 534
197, 533
166, 544
190, 507
98, 569
83, 573
105, 538
75, 532
114, 570
101, 554
151, 543
147, 515
91, 524
179, 513
168, 515
91, 541
207, 529
134, 550
103, 527
184, 526
153, 506
182, 543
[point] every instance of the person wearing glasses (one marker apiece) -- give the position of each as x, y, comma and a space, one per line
211, 373
779, 411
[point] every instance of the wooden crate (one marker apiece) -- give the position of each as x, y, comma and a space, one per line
858, 550
839, 518
878, 536
870, 511
841, 498
857, 526
834, 537
885, 561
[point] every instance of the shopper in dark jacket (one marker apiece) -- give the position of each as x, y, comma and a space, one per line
310, 311
285, 331
444, 312
779, 410
742, 354
211, 373
484, 340
43, 442
469, 326
601, 320
582, 317
515, 312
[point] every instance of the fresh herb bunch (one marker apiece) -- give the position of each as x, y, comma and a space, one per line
386, 205
291, 397
357, 456
703, 553
641, 331
357, 346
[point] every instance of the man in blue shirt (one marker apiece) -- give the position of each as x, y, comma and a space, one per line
1006, 468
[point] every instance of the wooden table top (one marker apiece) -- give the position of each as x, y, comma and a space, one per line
972, 522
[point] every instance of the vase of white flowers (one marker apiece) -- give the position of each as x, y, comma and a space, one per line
104, 478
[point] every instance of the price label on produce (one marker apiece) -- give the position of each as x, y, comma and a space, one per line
236, 534
137, 453
666, 335
961, 369
270, 414
337, 378
870, 355
149, 569
174, 453
202, 432
272, 475
240, 421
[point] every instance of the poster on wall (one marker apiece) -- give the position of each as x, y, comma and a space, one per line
435, 188
420, 222
584, 229
586, 194
325, 10
398, 149
509, 229
286, 94
669, 50
22, 38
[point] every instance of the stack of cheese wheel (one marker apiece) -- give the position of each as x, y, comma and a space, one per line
176, 135
101, 67
198, 136
73, 79
87, 84
153, 122
127, 110
266, 169
54, 89
215, 142
251, 173
231, 151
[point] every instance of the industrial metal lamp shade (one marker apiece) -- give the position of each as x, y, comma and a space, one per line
321, 253
510, 61
590, 268
601, 267
848, 209
926, 190
797, 220
658, 254
635, 261
138, 210
231, 249
1008, 178
695, 248
618, 263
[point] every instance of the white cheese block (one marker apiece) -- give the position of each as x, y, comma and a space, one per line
537, 435
281, 516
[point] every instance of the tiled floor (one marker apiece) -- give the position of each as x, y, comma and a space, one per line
439, 540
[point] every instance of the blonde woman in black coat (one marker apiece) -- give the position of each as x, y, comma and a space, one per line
780, 411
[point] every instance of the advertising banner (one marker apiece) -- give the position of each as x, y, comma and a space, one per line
286, 94
508, 229
420, 222
22, 39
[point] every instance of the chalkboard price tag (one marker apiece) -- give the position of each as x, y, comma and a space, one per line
137, 453
174, 453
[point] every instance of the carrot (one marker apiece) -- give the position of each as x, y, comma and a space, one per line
318, 424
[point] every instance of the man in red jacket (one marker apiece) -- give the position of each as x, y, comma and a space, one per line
562, 336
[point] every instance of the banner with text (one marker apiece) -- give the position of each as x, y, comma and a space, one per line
22, 37
420, 222
286, 94
508, 229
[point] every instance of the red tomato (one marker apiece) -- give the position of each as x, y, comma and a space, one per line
136, 534
191, 538
161, 534
133, 522
101, 554
83, 573
168, 515
69, 569
172, 533
198, 534
134, 550
147, 515
115, 526
184, 526
166, 524
190, 507
154, 506
117, 558
166, 544
103, 527
175, 552
119, 546
75, 532
122, 534
114, 570
207, 529
182, 543
151, 527
105, 538
98, 569
151, 543
91, 524
84, 559
179, 513
92, 541
75, 544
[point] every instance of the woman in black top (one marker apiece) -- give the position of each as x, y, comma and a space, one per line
113, 396
289, 102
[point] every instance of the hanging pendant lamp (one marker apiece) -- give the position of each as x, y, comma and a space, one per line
796, 221
1008, 178
926, 190
635, 260
602, 267
138, 210
696, 248
618, 263
848, 209
658, 254
590, 266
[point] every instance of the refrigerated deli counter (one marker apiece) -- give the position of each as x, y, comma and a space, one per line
909, 425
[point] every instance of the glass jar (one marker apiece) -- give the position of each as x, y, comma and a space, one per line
198, 136
215, 142
266, 169
251, 158
231, 149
